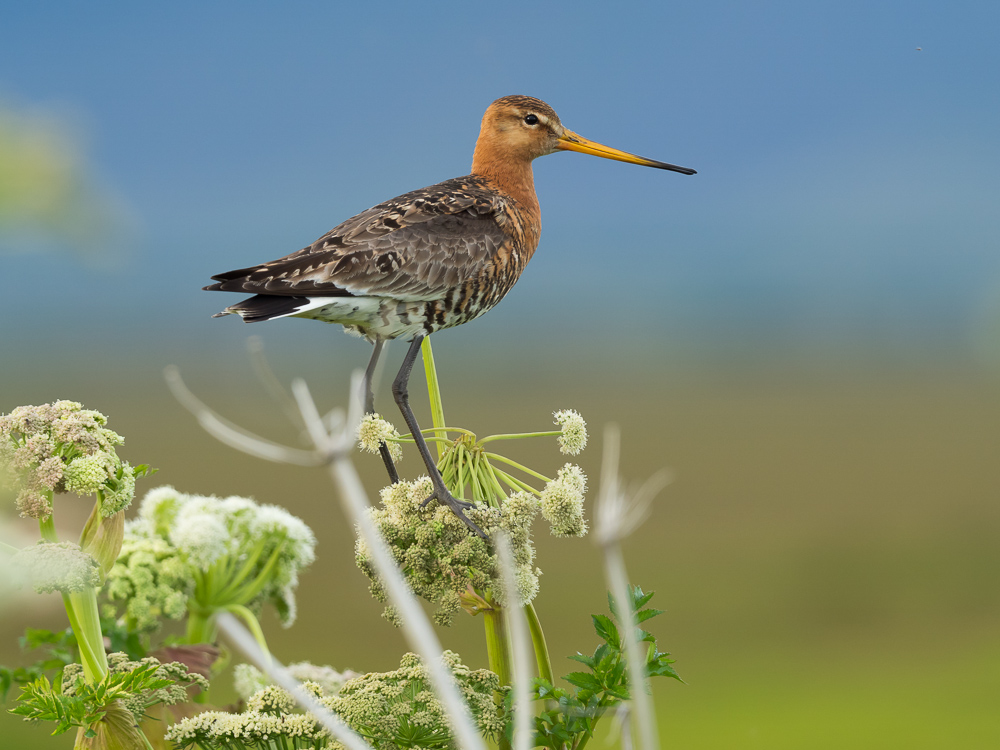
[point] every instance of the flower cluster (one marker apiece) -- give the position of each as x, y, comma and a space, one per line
62, 447
250, 729
151, 580
373, 431
574, 431
442, 562
58, 566
399, 710
247, 679
390, 710
195, 548
562, 502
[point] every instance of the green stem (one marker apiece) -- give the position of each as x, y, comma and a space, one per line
201, 628
519, 435
429, 438
433, 389
84, 618
498, 644
252, 624
443, 428
492, 476
516, 484
538, 642
518, 466
48, 528
459, 488
500, 656
81, 609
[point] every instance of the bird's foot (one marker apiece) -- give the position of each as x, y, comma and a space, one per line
457, 506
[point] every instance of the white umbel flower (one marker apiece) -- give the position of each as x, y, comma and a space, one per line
373, 431
574, 431
202, 537
562, 502
58, 566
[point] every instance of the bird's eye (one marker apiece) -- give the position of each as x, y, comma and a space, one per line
531, 119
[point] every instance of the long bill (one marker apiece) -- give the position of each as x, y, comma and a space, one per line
570, 141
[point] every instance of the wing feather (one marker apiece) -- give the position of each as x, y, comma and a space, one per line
413, 247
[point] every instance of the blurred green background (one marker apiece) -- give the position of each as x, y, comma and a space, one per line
807, 332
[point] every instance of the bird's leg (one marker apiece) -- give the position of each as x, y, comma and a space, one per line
399, 392
383, 449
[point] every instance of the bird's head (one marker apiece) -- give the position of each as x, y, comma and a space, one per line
522, 128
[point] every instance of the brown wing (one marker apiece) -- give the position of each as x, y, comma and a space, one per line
413, 247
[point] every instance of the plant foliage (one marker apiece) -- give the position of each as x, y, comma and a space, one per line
570, 716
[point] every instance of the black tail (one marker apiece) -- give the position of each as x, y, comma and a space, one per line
264, 307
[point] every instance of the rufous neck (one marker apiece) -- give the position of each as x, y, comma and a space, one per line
512, 176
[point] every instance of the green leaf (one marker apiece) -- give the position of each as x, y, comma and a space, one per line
143, 470
607, 630
587, 660
639, 599
660, 667
584, 680
6, 681
645, 614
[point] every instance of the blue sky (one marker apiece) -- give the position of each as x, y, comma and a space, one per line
846, 198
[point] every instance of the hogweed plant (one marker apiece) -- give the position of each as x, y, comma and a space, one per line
63, 449
214, 563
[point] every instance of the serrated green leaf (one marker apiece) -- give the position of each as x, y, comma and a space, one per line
607, 661
607, 630
620, 693
660, 667
584, 680
639, 599
645, 614
600, 652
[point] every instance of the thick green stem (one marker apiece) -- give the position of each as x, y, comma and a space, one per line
500, 656
433, 390
201, 628
48, 528
538, 643
81, 608
498, 644
252, 624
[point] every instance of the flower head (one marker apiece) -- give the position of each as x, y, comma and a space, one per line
439, 556
574, 431
373, 431
201, 537
398, 709
562, 502
247, 679
180, 539
58, 566
150, 581
62, 447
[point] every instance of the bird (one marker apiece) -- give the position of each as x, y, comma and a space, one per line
426, 260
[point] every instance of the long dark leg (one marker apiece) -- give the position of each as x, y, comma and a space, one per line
383, 449
399, 392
